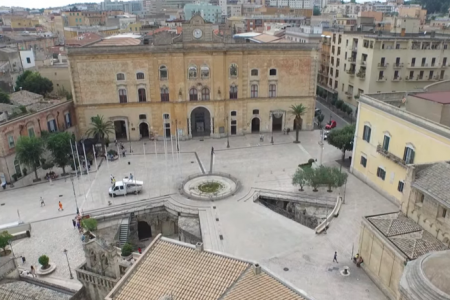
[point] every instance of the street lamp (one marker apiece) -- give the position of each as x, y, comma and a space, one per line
228, 138
75, 195
271, 139
70, 271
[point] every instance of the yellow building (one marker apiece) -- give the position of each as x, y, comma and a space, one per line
21, 22
388, 138
196, 86
133, 27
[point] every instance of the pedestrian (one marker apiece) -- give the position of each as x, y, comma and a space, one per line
111, 177
74, 223
42, 202
114, 180
131, 176
23, 260
260, 138
79, 226
335, 257
33, 272
4, 185
60, 206
123, 152
139, 250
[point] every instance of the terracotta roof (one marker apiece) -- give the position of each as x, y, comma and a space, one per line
83, 39
179, 270
439, 97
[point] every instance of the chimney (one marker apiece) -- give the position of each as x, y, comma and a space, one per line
256, 269
199, 247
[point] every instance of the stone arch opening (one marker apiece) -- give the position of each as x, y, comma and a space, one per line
200, 122
121, 129
277, 122
144, 230
256, 125
143, 130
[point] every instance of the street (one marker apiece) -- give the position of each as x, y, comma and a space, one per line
327, 112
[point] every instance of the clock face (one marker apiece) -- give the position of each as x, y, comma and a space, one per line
197, 33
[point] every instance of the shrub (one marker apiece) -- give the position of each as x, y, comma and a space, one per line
44, 260
339, 103
15, 177
112, 152
5, 237
25, 171
333, 101
89, 224
349, 110
48, 165
127, 249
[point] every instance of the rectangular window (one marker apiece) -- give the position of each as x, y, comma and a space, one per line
31, 132
68, 120
408, 155
400, 186
363, 161
233, 113
142, 96
28, 60
143, 117
272, 90
443, 213
444, 61
11, 141
123, 96
254, 91
366, 133
166, 116
386, 141
233, 92
51, 125
381, 173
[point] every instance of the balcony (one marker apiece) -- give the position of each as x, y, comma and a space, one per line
417, 66
351, 59
396, 78
390, 156
361, 74
352, 48
382, 65
363, 62
382, 78
349, 94
351, 72
398, 65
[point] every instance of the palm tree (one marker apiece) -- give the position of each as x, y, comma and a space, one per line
297, 111
29, 151
100, 129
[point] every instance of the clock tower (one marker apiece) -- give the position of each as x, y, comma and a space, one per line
197, 30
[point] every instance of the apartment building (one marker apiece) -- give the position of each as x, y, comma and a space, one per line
378, 63
413, 11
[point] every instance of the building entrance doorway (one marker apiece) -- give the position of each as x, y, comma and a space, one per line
255, 125
144, 230
121, 130
233, 127
143, 130
277, 122
200, 122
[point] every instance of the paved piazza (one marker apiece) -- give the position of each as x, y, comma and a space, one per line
249, 230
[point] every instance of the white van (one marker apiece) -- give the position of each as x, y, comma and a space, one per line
126, 186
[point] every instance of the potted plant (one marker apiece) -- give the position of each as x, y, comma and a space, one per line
44, 261
127, 250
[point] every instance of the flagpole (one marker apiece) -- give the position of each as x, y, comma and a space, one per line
85, 161
79, 162
73, 156
95, 158
107, 160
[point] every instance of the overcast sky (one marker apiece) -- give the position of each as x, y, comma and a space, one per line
37, 4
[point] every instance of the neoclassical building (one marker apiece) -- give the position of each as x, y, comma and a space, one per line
193, 84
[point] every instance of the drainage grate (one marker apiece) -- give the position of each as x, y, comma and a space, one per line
214, 207
60, 195
217, 219
2, 204
221, 237
285, 269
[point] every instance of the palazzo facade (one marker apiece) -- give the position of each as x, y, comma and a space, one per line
198, 85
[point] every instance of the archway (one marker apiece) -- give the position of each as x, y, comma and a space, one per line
143, 130
200, 122
255, 125
144, 230
277, 122
121, 129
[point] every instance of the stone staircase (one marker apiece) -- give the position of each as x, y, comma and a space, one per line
123, 231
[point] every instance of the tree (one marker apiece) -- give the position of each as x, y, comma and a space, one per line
59, 146
35, 83
297, 111
4, 97
21, 79
316, 11
320, 119
5, 237
127, 249
342, 138
340, 178
313, 178
299, 178
90, 224
100, 129
29, 151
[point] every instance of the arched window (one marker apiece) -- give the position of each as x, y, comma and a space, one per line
233, 91
272, 90
254, 72
140, 75
163, 73
273, 72
233, 70
192, 72
204, 72
164, 94
254, 91
205, 93
142, 95
51, 124
120, 76
193, 94
123, 96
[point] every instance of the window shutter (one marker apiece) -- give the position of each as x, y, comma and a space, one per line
404, 153
368, 136
411, 160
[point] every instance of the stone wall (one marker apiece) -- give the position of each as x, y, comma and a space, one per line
7, 266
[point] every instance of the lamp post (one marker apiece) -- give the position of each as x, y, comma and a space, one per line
228, 138
68, 264
75, 195
271, 124
129, 132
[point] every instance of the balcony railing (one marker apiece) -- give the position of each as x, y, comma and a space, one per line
361, 74
381, 78
416, 65
351, 59
363, 62
382, 65
398, 65
350, 72
396, 78
390, 156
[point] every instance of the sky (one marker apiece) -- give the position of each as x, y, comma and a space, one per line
37, 4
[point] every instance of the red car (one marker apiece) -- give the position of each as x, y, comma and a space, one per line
330, 125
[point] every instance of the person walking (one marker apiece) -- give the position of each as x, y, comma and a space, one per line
131, 176
60, 206
42, 202
74, 223
140, 250
112, 179
335, 257
79, 226
33, 271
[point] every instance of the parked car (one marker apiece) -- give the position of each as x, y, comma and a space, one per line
126, 186
317, 112
330, 125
